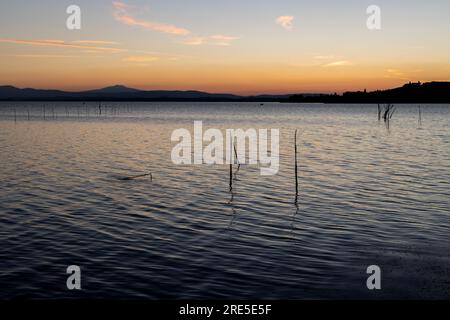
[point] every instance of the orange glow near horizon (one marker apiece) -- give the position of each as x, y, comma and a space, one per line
71, 74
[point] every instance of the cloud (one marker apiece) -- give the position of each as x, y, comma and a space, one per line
337, 64
140, 59
63, 44
217, 40
159, 54
222, 40
285, 21
399, 74
97, 42
121, 14
194, 41
43, 56
395, 72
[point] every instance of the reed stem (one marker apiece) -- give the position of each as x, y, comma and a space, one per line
231, 167
296, 166
420, 116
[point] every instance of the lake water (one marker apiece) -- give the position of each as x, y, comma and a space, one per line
369, 195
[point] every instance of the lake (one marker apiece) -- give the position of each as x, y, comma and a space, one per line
368, 195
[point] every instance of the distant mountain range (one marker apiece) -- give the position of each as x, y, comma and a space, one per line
430, 92
122, 93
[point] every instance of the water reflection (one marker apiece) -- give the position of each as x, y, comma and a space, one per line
293, 220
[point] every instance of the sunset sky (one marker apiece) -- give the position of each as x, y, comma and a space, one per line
244, 47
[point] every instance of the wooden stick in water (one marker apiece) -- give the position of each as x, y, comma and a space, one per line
237, 161
231, 166
138, 176
420, 116
296, 166
231, 177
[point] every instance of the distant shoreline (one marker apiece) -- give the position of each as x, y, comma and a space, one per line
225, 101
429, 92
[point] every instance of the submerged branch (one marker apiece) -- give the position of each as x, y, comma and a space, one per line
138, 176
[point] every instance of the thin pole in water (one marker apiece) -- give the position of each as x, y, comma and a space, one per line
231, 162
231, 166
420, 116
231, 177
296, 166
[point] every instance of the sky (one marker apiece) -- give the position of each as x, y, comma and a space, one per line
234, 46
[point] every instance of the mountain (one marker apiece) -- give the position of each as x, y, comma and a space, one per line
13, 93
123, 93
117, 89
113, 93
429, 92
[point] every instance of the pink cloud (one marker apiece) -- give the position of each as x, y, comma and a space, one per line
63, 44
217, 40
338, 64
285, 21
122, 15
